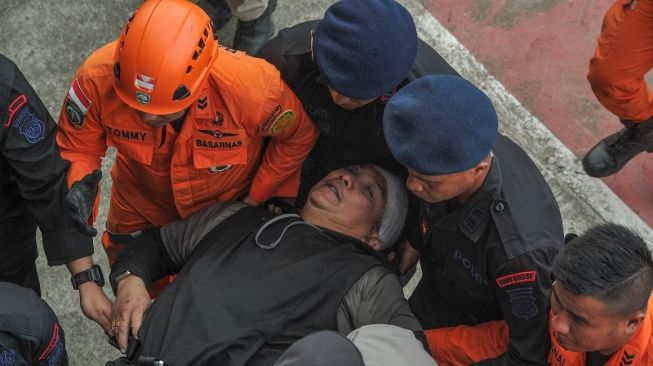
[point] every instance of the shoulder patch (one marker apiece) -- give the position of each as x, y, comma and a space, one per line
8, 357
282, 122
14, 107
74, 114
29, 126
523, 302
516, 278
54, 343
55, 356
77, 104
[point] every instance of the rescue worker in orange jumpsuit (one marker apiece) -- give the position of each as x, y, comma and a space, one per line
623, 56
601, 303
188, 119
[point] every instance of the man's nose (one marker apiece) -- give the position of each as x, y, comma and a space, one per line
560, 323
347, 180
413, 185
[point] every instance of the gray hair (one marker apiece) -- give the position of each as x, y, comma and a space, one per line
395, 210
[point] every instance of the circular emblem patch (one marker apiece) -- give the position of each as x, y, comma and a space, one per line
29, 126
282, 122
33, 130
74, 114
142, 98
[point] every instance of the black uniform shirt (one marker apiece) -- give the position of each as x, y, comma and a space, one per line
490, 258
348, 137
32, 176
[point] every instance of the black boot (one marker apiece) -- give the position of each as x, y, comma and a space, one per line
613, 152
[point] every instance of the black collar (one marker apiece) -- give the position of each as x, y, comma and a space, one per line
471, 218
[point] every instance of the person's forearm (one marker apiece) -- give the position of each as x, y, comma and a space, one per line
79, 265
145, 257
466, 345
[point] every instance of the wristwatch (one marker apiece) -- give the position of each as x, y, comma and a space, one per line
115, 280
92, 274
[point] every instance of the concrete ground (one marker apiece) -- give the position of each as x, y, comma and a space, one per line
49, 39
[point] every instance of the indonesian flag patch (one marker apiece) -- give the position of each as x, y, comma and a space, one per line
77, 104
144, 82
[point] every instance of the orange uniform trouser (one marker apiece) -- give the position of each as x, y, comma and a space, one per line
622, 58
465, 345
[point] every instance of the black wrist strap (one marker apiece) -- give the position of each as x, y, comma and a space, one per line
92, 274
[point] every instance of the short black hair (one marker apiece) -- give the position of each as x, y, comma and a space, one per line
611, 263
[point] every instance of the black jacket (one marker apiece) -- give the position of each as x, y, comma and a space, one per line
239, 304
490, 258
32, 179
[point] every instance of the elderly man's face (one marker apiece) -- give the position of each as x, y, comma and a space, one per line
352, 199
585, 324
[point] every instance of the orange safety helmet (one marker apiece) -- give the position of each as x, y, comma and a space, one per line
163, 56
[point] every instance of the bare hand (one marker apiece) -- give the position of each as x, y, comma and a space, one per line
409, 257
96, 305
131, 303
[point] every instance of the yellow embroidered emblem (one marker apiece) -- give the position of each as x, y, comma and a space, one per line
282, 122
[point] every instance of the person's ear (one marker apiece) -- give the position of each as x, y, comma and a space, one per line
483, 166
374, 241
634, 322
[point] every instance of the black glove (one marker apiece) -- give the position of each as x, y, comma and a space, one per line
80, 200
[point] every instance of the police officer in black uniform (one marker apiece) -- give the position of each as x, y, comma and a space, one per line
489, 224
30, 333
344, 68
33, 193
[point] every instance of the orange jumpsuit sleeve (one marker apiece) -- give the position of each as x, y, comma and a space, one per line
622, 58
81, 137
465, 345
292, 134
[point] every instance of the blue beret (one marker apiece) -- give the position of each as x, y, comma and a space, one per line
365, 48
440, 124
